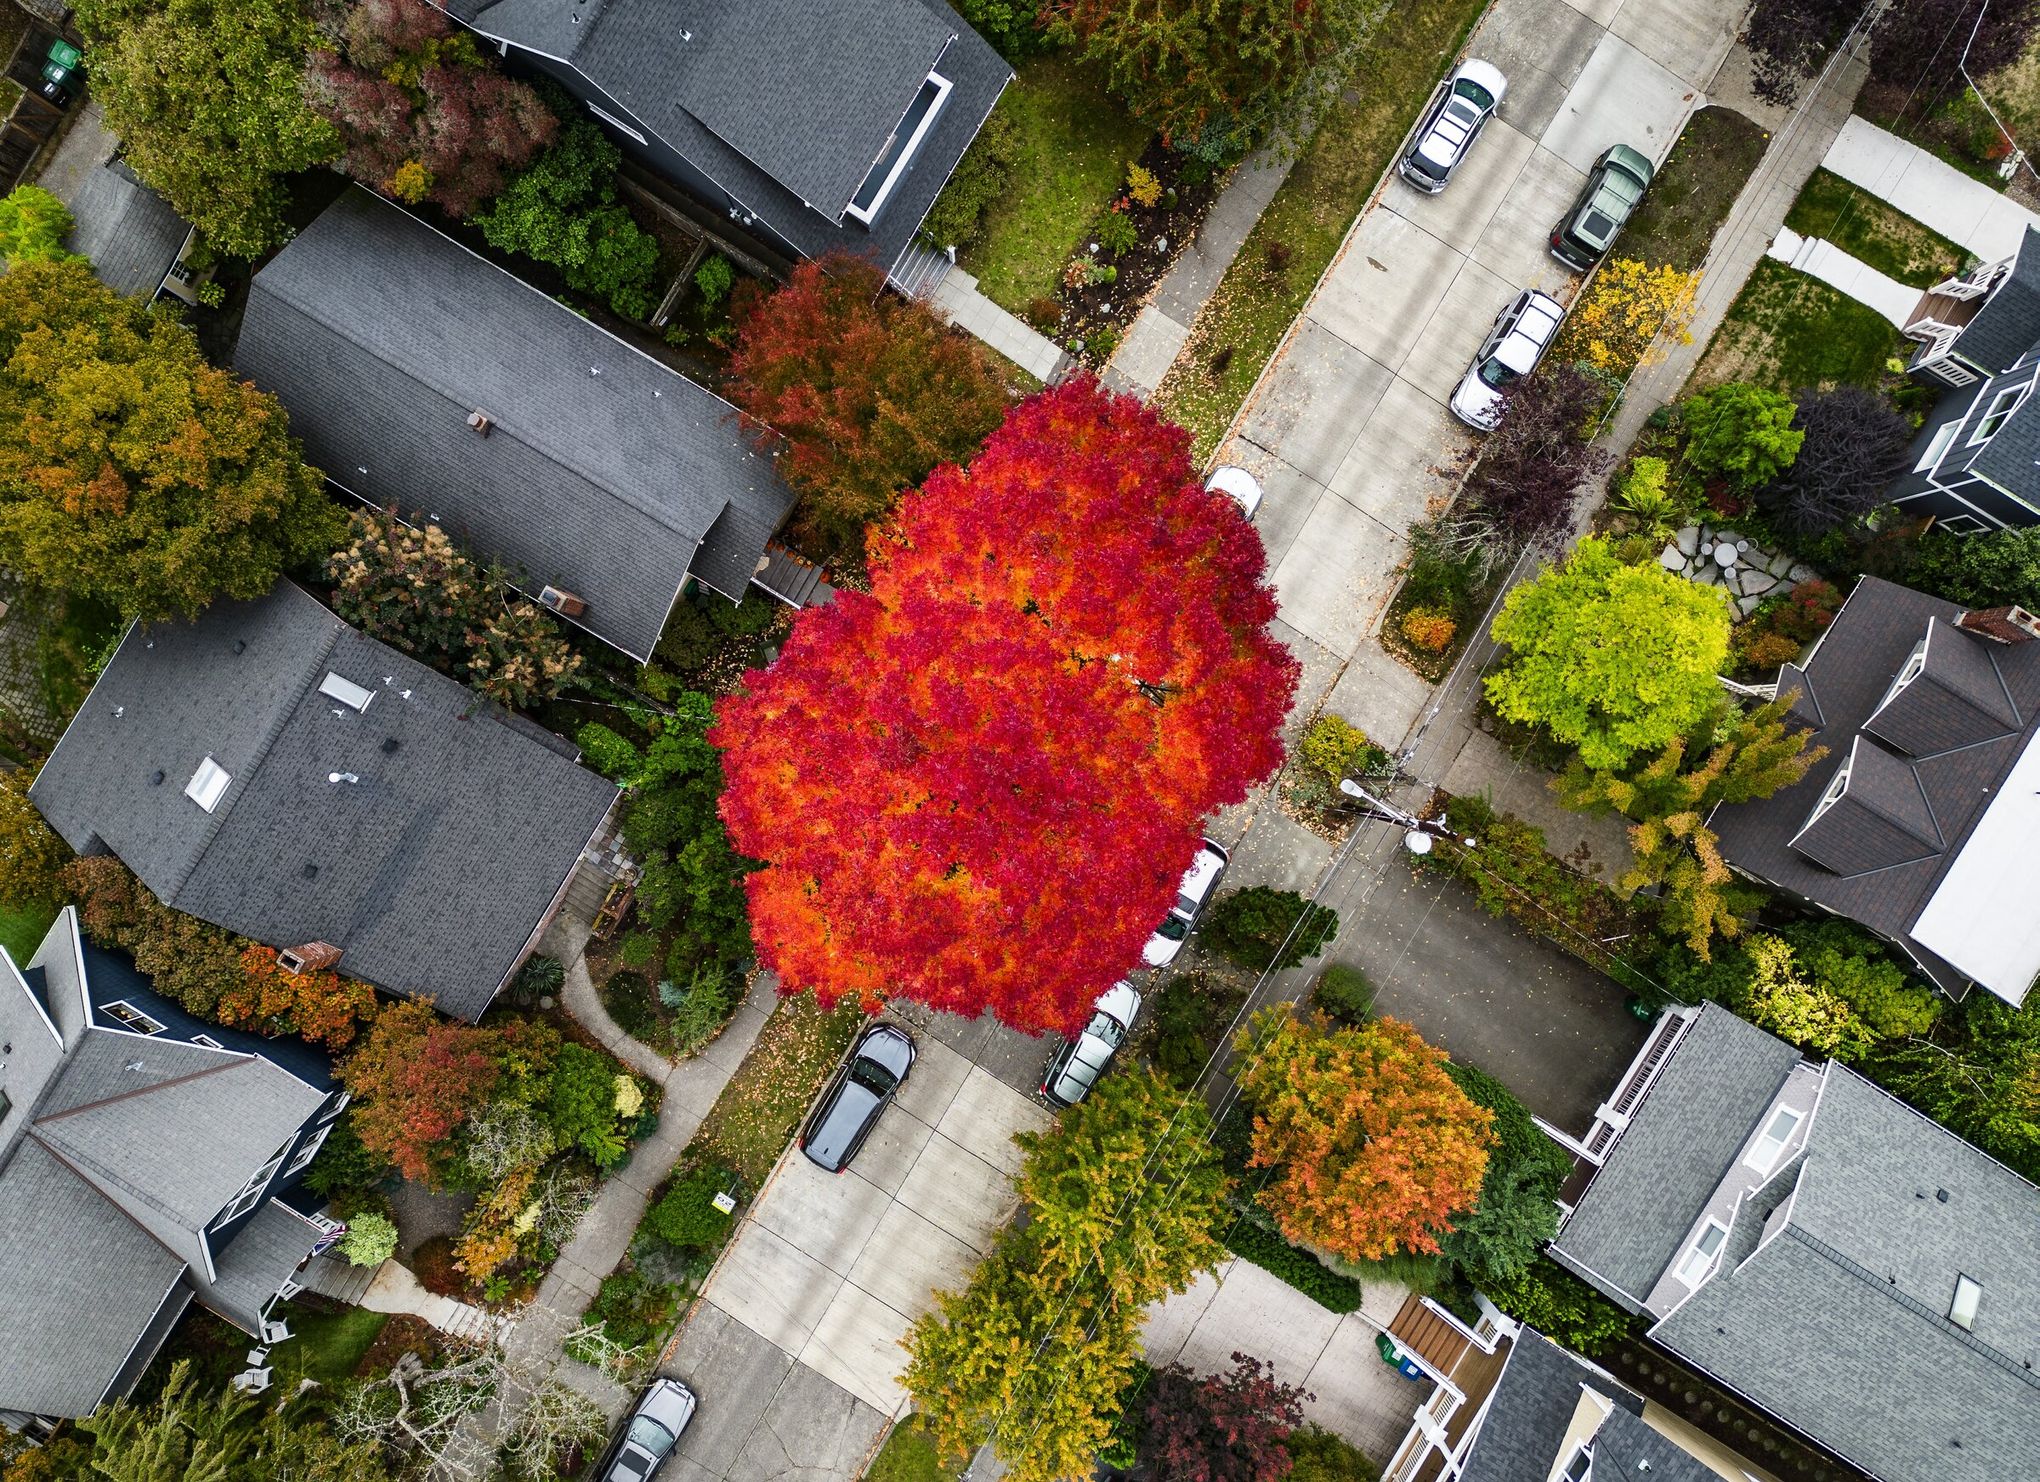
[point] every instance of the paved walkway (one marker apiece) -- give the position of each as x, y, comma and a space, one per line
1986, 221
394, 1288
1821, 259
957, 298
1159, 331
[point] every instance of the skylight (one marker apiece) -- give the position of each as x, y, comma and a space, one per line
899, 149
346, 691
208, 784
1962, 1311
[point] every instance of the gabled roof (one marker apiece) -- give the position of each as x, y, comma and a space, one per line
2008, 324
1927, 763
131, 234
424, 835
602, 472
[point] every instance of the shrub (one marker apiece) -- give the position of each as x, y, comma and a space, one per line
541, 976
580, 1103
631, 1001
1767, 651
1260, 928
1344, 992
370, 1240
632, 1309
1317, 1455
1853, 965
638, 949
714, 279
33, 225
1560, 1306
1301, 1269
1985, 570
1854, 445
700, 1008
979, 179
343, 1165
1742, 432
1013, 26
1192, 1015
1334, 748
1515, 1213
1626, 311
1116, 233
686, 1217
1807, 610
1643, 494
434, 1265
1429, 629
608, 753
1142, 186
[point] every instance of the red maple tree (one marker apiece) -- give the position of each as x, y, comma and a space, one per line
1373, 1145
979, 785
1226, 1427
417, 1077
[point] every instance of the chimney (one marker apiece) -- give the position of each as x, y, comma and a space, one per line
562, 601
309, 958
2001, 624
481, 421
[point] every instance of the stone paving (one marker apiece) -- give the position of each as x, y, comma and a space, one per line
1721, 558
957, 298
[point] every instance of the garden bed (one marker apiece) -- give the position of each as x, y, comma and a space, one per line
755, 1116
1872, 232
1786, 331
1436, 585
1694, 190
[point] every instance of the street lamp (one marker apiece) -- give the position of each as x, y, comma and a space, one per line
1417, 832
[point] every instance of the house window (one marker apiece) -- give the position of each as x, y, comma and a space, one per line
1764, 1156
1997, 413
899, 149
346, 691
335, 1104
1943, 435
1579, 1467
616, 123
1962, 1310
306, 1153
1915, 665
208, 1041
1700, 1256
128, 1016
1834, 792
251, 1191
1961, 524
208, 784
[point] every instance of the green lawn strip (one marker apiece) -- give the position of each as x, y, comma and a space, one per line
324, 1346
1786, 331
1075, 145
1872, 232
757, 1112
22, 928
1694, 189
909, 1455
1243, 323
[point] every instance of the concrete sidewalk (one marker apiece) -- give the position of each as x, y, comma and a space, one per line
957, 299
1907, 178
1896, 301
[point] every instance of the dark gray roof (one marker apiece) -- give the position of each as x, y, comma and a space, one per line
269, 1247
1837, 1321
430, 871
1949, 739
2009, 322
602, 470
131, 234
1666, 1165
1531, 1407
783, 104
79, 1282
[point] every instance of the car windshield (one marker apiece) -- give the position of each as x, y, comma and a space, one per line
1474, 93
873, 1077
1104, 1026
1173, 928
1494, 373
648, 1433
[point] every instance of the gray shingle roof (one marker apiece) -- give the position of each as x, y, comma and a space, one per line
131, 234
1881, 819
1681, 1139
264, 1251
1976, 707
2009, 321
1531, 1406
782, 104
602, 470
79, 1282
430, 872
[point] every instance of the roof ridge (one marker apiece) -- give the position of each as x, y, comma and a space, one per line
239, 1058
93, 1184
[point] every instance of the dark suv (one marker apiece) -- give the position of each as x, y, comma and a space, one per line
647, 1437
1614, 186
849, 1109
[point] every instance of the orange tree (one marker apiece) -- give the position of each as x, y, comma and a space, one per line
1372, 1144
320, 1006
978, 785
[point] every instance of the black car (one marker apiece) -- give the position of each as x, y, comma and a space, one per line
648, 1436
849, 1109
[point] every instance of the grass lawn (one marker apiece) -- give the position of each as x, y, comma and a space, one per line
1694, 190
1074, 146
1786, 330
1245, 320
757, 1112
908, 1455
22, 928
1872, 232
326, 1346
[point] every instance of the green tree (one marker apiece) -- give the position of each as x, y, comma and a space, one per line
370, 1240
580, 1103
1986, 570
33, 225
31, 854
1516, 1213
1559, 1305
1741, 432
1778, 997
1260, 928
1982, 1081
1123, 1195
1841, 958
205, 96
1611, 659
1749, 756
130, 470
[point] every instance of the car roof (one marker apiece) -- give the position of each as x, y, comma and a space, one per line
1203, 871
1487, 74
1632, 162
669, 1402
1121, 1001
1230, 478
850, 1108
1446, 137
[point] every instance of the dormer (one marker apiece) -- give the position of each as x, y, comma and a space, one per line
1947, 694
1871, 816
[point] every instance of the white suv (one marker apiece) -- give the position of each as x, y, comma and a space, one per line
1522, 332
1199, 883
1459, 111
1075, 1068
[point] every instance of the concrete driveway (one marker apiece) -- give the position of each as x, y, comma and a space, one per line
794, 1345
1349, 430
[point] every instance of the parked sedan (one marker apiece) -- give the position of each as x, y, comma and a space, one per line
1199, 882
1454, 120
1075, 1068
850, 1108
647, 1437
1614, 186
1241, 487
1522, 332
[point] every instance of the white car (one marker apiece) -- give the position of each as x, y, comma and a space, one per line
1241, 487
1522, 332
1461, 109
1200, 882
1075, 1068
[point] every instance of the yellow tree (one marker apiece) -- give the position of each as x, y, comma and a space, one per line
1629, 315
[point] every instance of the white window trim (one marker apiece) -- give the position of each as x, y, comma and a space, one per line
208, 1041
251, 1191
1915, 665
1835, 789
1944, 435
616, 123
308, 1152
1695, 1265
2001, 407
1974, 527
1770, 1146
136, 1023
869, 214
333, 1108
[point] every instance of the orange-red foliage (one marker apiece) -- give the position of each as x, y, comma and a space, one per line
1375, 1147
979, 785
322, 1007
416, 1077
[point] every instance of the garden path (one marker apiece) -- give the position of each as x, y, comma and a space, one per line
1850, 275
957, 298
1907, 178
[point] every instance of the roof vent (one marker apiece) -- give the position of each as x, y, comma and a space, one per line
390, 745
309, 958
240, 645
311, 871
135, 1066
481, 421
2001, 624
1941, 1196
156, 778
563, 602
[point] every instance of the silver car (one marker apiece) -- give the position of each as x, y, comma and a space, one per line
1461, 109
647, 1438
1199, 882
1075, 1068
